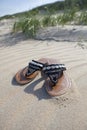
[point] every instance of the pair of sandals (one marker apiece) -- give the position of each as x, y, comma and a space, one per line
57, 82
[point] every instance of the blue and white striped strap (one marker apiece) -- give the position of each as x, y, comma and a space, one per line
54, 68
54, 71
34, 66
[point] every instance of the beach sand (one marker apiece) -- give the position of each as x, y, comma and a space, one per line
29, 107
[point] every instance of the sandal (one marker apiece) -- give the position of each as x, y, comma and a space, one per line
28, 73
57, 81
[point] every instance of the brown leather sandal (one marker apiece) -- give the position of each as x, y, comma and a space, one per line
57, 81
28, 73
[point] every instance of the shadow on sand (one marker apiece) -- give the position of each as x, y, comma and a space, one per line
40, 93
14, 83
11, 39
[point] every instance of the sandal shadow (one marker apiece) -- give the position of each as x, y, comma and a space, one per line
40, 93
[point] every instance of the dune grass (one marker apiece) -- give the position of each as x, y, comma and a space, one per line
30, 22
30, 25
48, 15
82, 19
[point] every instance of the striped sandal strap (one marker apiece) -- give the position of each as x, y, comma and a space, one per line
54, 71
34, 66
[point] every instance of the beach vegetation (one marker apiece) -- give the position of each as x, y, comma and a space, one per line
29, 26
82, 18
59, 13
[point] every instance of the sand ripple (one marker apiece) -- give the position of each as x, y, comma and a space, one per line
29, 107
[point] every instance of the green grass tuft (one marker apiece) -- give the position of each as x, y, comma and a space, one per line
82, 19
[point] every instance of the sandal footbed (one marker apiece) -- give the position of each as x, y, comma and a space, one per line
22, 79
63, 84
20, 75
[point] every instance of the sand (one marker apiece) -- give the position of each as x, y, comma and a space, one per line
29, 107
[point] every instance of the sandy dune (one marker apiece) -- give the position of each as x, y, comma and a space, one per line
29, 107
63, 33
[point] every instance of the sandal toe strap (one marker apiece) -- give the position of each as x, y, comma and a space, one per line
34, 66
54, 71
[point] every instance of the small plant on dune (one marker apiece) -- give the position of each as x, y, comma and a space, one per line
49, 21
54, 21
68, 16
18, 25
46, 21
82, 19
29, 26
